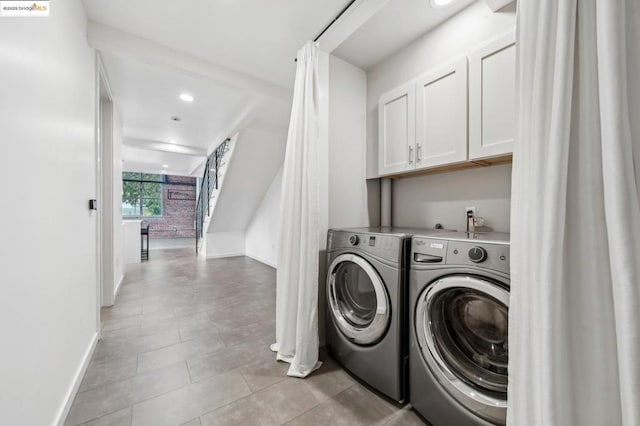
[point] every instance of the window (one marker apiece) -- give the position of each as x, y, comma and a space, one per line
141, 194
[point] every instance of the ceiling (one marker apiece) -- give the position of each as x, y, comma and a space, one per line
259, 38
151, 161
235, 57
148, 97
394, 26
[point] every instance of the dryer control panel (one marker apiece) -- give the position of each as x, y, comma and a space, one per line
436, 251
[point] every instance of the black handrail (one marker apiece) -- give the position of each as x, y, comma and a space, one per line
210, 182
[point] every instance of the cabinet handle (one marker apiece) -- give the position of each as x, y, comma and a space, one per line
418, 153
410, 154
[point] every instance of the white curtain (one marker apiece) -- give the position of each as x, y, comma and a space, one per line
298, 244
574, 331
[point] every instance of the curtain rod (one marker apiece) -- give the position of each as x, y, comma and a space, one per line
332, 22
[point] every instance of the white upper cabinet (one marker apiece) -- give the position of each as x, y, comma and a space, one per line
441, 115
492, 71
396, 130
458, 112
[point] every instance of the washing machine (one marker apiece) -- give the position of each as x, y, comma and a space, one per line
367, 318
459, 302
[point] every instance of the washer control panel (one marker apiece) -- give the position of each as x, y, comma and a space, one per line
477, 254
425, 251
387, 247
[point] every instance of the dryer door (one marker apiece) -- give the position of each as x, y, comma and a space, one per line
461, 325
358, 301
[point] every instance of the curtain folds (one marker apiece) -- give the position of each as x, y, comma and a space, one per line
298, 243
574, 327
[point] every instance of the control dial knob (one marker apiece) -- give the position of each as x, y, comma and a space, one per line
354, 240
477, 255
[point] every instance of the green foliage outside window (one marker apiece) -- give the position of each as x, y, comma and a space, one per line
141, 194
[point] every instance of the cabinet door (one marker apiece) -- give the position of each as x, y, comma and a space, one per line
396, 130
441, 115
492, 73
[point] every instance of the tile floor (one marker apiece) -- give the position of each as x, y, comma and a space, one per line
187, 343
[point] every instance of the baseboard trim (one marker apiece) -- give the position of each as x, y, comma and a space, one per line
222, 256
266, 262
115, 293
71, 394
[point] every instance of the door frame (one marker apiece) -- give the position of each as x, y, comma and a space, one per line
104, 190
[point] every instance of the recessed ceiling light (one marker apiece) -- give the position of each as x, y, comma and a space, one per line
165, 165
186, 97
440, 3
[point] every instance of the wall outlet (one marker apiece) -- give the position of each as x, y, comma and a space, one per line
473, 209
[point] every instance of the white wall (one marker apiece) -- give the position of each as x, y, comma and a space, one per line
48, 319
256, 158
225, 244
423, 201
348, 192
262, 233
131, 242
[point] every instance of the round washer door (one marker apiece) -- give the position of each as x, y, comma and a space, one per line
462, 328
358, 301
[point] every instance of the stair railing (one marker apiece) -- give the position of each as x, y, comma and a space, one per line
210, 182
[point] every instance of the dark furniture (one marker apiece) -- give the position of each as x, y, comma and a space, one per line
144, 235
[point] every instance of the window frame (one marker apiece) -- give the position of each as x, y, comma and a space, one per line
141, 182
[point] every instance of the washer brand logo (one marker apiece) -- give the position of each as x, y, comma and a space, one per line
24, 8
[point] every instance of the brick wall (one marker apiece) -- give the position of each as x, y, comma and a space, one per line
178, 215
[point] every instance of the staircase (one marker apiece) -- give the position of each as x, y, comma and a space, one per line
248, 163
209, 187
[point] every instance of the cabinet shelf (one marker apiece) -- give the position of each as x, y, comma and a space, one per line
447, 168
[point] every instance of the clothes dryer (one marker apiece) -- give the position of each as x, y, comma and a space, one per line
367, 319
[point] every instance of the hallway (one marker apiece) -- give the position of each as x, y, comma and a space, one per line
187, 342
